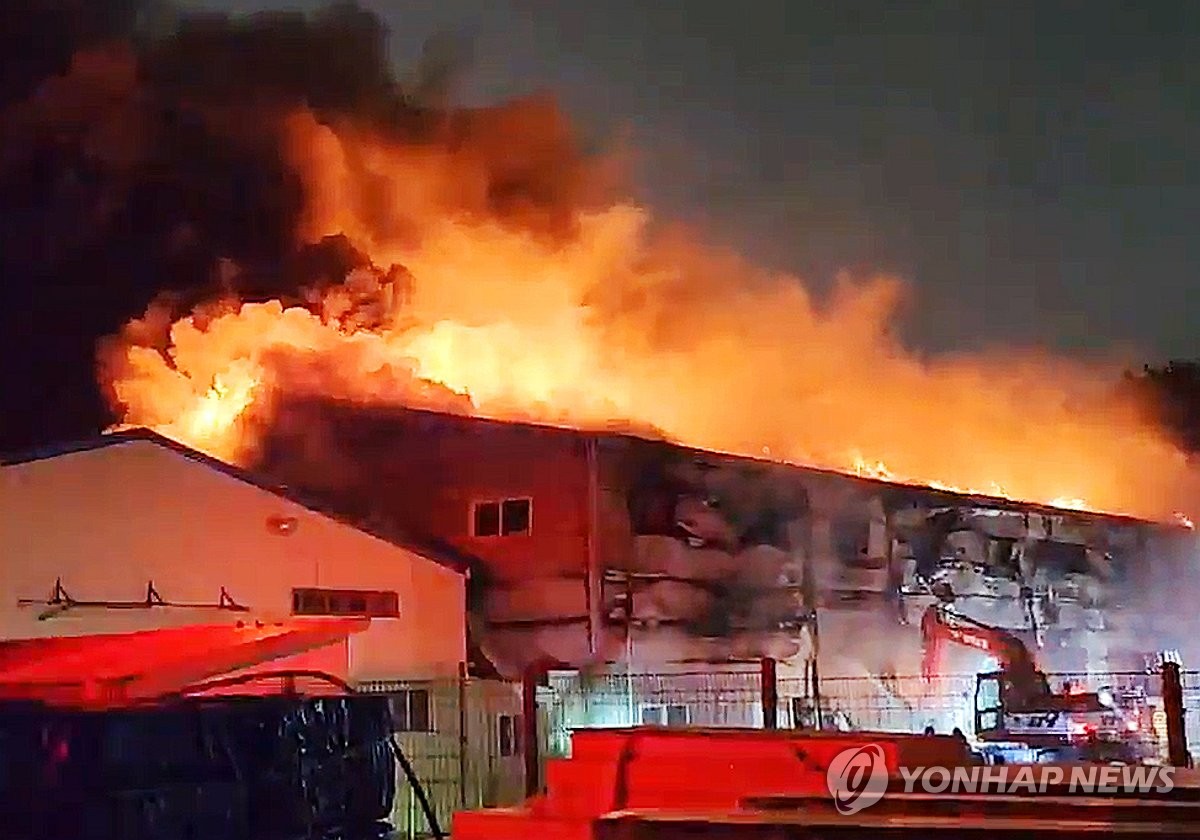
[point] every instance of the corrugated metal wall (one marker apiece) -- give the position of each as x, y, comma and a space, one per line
468, 757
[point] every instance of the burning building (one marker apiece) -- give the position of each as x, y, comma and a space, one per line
608, 551
325, 233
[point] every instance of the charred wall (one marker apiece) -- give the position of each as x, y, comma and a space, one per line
643, 550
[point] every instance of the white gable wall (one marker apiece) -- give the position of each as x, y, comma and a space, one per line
108, 520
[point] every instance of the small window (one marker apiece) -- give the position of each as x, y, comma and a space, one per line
653, 716
368, 603
410, 711
669, 715
487, 519
677, 716
514, 517
507, 736
507, 517
802, 713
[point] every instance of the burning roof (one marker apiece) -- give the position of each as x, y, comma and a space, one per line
317, 437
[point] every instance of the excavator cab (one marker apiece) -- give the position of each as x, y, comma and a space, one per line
989, 707
1003, 713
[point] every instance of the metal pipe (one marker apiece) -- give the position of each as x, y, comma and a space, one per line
529, 728
1172, 689
594, 592
462, 735
816, 687
770, 693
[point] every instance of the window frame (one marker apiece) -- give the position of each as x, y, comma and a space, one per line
664, 714
405, 696
499, 502
314, 601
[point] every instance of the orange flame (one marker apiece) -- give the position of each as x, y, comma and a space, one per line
617, 323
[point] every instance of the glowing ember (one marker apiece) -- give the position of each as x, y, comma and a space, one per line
615, 323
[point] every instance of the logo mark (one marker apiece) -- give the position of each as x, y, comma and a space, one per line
857, 778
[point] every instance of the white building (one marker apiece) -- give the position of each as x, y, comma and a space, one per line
132, 531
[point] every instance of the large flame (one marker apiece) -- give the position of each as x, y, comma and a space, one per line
617, 322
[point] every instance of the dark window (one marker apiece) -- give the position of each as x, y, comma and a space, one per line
419, 718
670, 715
652, 716
507, 736
677, 716
508, 517
487, 519
515, 516
370, 603
1059, 558
410, 711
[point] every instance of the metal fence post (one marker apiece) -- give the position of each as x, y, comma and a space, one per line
1172, 689
530, 679
770, 694
463, 741
815, 676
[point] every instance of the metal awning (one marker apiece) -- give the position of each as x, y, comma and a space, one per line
122, 669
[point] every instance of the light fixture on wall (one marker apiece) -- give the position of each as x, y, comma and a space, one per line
282, 525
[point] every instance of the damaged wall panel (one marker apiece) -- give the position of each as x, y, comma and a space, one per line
659, 555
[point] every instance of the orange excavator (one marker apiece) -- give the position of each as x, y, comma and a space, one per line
1016, 704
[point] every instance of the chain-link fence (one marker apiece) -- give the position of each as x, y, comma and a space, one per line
464, 737
1191, 710
680, 699
871, 703
887, 704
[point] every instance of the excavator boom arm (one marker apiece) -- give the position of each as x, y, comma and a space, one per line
939, 626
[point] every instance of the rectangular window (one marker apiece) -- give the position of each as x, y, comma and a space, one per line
514, 516
502, 518
653, 716
802, 713
677, 716
487, 519
670, 715
507, 736
410, 711
369, 603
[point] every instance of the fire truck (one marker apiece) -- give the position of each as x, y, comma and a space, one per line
1017, 712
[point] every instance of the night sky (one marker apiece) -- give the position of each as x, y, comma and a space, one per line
1028, 167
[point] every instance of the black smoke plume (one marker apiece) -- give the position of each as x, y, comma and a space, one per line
140, 152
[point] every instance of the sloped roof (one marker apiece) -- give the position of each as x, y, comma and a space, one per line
433, 549
355, 413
